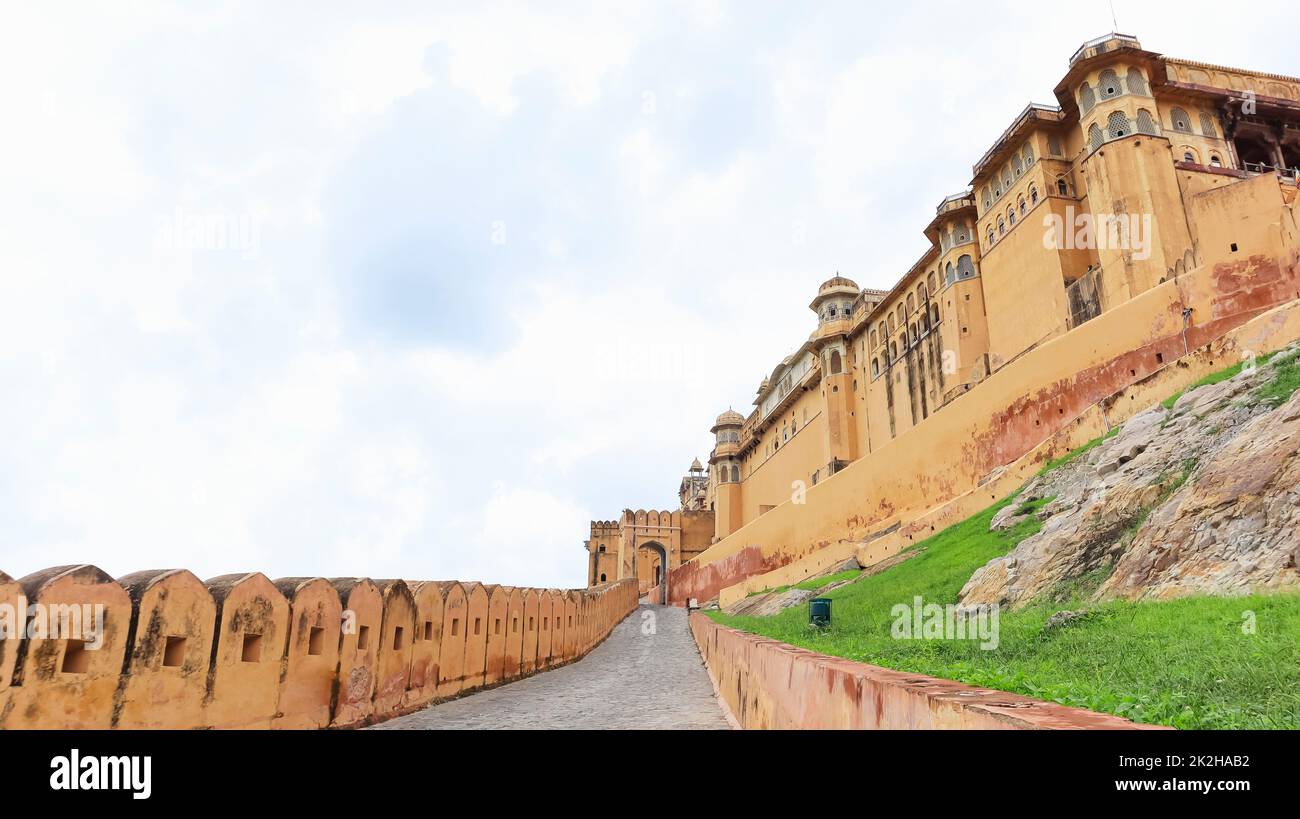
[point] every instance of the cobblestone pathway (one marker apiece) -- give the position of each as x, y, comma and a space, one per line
632, 680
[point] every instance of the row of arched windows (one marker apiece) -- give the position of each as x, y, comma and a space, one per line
836, 311
911, 335
955, 236
1190, 155
1119, 126
1025, 200
897, 317
1181, 122
1109, 86
1004, 179
964, 269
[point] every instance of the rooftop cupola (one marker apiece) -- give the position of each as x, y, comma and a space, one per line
834, 301
727, 420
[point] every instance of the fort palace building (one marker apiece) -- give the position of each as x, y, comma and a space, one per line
1077, 208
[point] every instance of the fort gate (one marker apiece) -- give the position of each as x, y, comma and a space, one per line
646, 545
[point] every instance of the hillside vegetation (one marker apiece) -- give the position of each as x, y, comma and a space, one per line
1164, 622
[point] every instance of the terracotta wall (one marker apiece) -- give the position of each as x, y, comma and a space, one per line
765, 684
163, 649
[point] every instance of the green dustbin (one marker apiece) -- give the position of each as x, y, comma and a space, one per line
819, 612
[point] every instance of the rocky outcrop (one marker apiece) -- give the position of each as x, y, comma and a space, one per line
769, 603
1202, 498
765, 604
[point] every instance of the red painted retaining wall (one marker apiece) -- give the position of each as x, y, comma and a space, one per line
767, 684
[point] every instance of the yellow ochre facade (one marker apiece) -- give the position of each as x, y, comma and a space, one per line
1133, 231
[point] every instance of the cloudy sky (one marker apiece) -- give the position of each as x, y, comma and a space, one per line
419, 291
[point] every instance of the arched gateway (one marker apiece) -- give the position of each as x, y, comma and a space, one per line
648, 545
652, 572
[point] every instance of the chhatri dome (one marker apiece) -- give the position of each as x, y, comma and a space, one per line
838, 283
730, 418
838, 293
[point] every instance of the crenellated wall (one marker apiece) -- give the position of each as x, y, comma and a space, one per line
163, 649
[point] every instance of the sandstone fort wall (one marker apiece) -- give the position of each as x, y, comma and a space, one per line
241, 651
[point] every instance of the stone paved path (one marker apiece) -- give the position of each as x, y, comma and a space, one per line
632, 680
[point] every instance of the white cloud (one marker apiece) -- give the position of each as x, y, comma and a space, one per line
213, 407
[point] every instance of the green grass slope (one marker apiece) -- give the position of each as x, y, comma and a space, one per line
1197, 662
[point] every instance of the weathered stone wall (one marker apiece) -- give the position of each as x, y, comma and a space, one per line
765, 684
163, 649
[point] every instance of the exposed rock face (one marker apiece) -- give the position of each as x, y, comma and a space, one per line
763, 605
1201, 499
774, 602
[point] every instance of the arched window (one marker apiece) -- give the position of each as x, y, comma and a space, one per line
1006, 177
933, 282
1108, 83
1095, 138
1002, 226
1033, 194
1086, 98
892, 322
1215, 162
602, 547
1190, 156
1207, 126
1137, 84
988, 200
902, 317
735, 474
602, 578
915, 335
990, 242
1020, 205
875, 368
1029, 154
893, 351
837, 363
911, 303
1054, 146
965, 267
950, 273
1117, 124
1147, 123
934, 314
1017, 165
1011, 217
1062, 187
873, 339
1180, 121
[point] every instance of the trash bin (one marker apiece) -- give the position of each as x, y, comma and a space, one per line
819, 612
